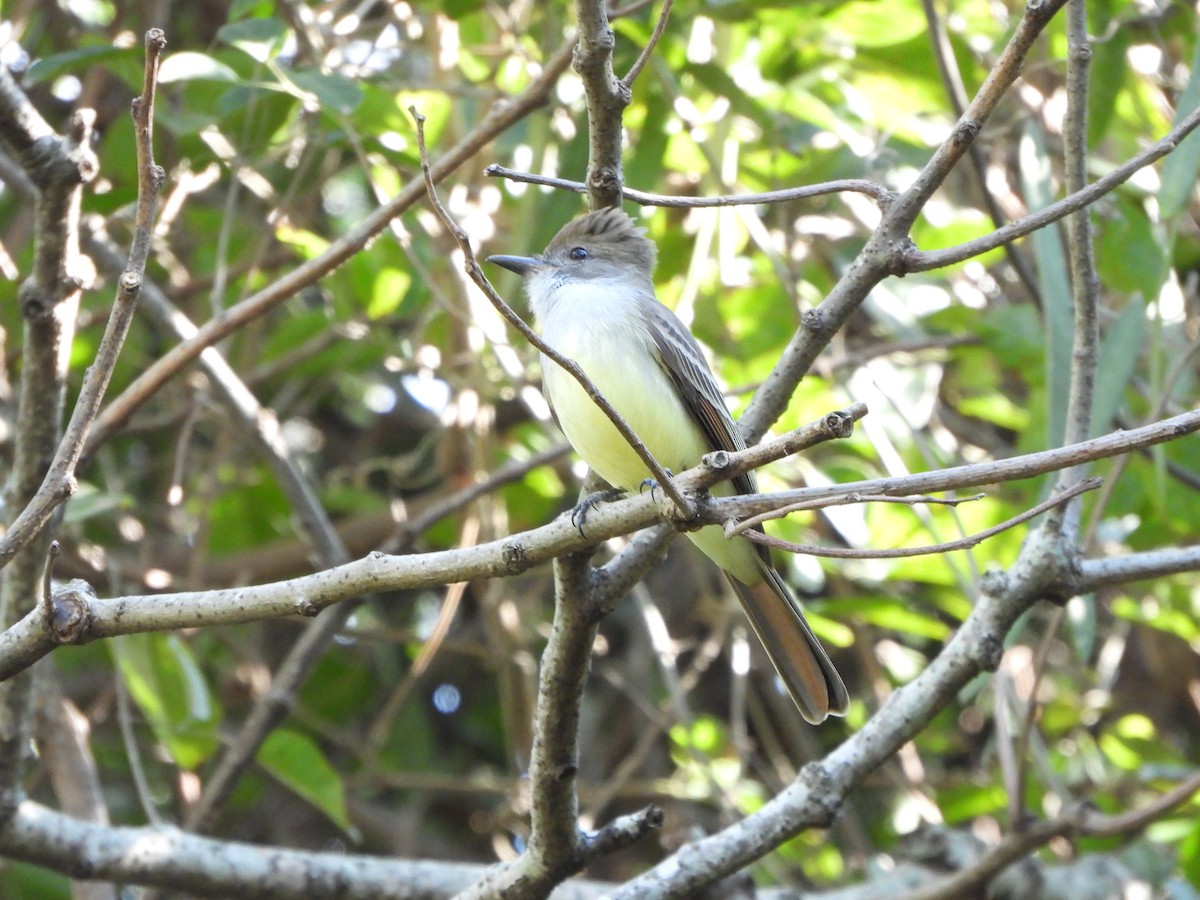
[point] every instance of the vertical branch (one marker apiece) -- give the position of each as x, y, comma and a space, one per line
1063, 521
58, 481
607, 97
58, 167
1085, 284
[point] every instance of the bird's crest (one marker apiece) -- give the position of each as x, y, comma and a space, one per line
608, 232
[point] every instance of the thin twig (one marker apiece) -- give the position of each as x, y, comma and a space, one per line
972, 475
1063, 523
877, 192
644, 57
943, 54
889, 250
966, 543
1085, 283
473, 270
1018, 844
734, 527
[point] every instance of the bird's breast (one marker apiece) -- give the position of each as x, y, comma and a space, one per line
617, 353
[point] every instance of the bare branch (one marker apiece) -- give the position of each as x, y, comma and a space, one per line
79, 618
974, 475
59, 481
925, 260
1113, 570
1014, 846
943, 54
607, 98
170, 858
1088, 484
1085, 283
877, 192
648, 50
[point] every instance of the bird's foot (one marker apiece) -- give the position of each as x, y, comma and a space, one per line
652, 483
584, 506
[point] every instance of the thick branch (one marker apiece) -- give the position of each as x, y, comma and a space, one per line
82, 619
607, 98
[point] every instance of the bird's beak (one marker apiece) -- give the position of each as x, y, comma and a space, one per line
522, 265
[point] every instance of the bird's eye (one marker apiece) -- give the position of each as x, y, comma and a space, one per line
578, 253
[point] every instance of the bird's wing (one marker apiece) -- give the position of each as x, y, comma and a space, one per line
684, 362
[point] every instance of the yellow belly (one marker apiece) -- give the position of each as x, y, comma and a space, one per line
645, 397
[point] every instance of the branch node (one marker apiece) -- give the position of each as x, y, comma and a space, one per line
623, 832
965, 132
718, 460
822, 793
565, 772
989, 652
899, 256
838, 424
131, 282
69, 612
514, 558
52, 553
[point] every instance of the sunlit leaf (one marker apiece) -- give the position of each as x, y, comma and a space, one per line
192, 66
1053, 283
1181, 167
298, 763
260, 39
168, 686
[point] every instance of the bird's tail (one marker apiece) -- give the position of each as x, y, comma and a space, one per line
798, 656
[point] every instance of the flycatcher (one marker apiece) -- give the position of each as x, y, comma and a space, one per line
592, 295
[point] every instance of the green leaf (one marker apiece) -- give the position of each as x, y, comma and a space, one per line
166, 683
894, 615
194, 66
1053, 283
1109, 70
333, 91
50, 67
1180, 170
1119, 353
260, 39
298, 763
1130, 252
389, 289
874, 23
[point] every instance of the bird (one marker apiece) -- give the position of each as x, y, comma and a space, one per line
592, 296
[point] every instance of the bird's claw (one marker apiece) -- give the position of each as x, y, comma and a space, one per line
651, 483
584, 506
